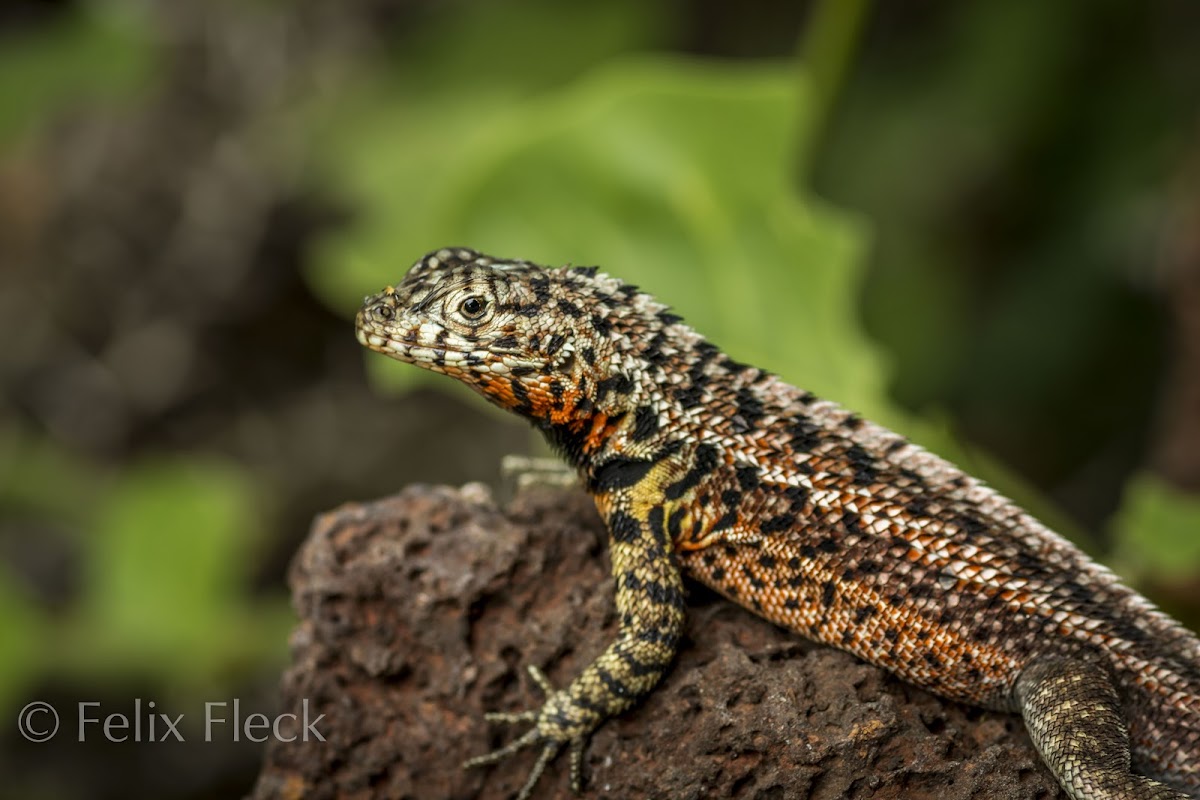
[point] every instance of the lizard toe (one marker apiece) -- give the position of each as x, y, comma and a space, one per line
552, 731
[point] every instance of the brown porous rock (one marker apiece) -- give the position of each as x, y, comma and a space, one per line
418, 613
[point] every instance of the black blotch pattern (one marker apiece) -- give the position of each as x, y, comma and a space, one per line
569, 308
519, 392
541, 288
623, 527
865, 470
567, 440
798, 495
918, 506
619, 473
505, 343
704, 462
755, 581
689, 396
618, 384
749, 411
727, 520
611, 683
805, 433
747, 478
675, 525
971, 524
782, 522
654, 521
645, 423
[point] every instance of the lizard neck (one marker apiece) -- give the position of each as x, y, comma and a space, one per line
594, 416
606, 397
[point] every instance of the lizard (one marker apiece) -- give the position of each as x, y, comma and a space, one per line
803, 512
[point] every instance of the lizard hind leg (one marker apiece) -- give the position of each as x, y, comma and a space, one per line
1073, 715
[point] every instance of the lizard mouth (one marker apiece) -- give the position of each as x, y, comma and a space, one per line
412, 350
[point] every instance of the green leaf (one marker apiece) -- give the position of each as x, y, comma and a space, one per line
671, 174
165, 590
520, 46
1157, 530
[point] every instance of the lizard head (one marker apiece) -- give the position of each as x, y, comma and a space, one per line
522, 335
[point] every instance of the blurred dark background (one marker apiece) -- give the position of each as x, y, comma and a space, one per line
977, 222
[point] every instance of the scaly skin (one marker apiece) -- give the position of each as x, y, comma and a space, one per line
808, 515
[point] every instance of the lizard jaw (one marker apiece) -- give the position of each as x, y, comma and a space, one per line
411, 351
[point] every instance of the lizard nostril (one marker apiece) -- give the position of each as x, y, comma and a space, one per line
383, 313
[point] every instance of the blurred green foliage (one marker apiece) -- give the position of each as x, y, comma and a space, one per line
1157, 531
672, 173
38, 481
169, 548
168, 545
22, 633
168, 574
1018, 171
99, 50
669, 172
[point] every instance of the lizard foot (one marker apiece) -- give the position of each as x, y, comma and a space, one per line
552, 731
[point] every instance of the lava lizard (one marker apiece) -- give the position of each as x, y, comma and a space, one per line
803, 512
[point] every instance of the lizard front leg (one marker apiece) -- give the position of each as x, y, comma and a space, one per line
1073, 715
650, 605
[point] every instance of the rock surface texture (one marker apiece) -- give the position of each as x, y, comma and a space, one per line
418, 613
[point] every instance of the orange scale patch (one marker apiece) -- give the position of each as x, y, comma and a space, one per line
500, 389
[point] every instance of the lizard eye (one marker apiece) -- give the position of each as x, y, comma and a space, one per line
473, 307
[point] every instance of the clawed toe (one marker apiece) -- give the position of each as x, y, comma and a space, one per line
504, 752
550, 747
511, 718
